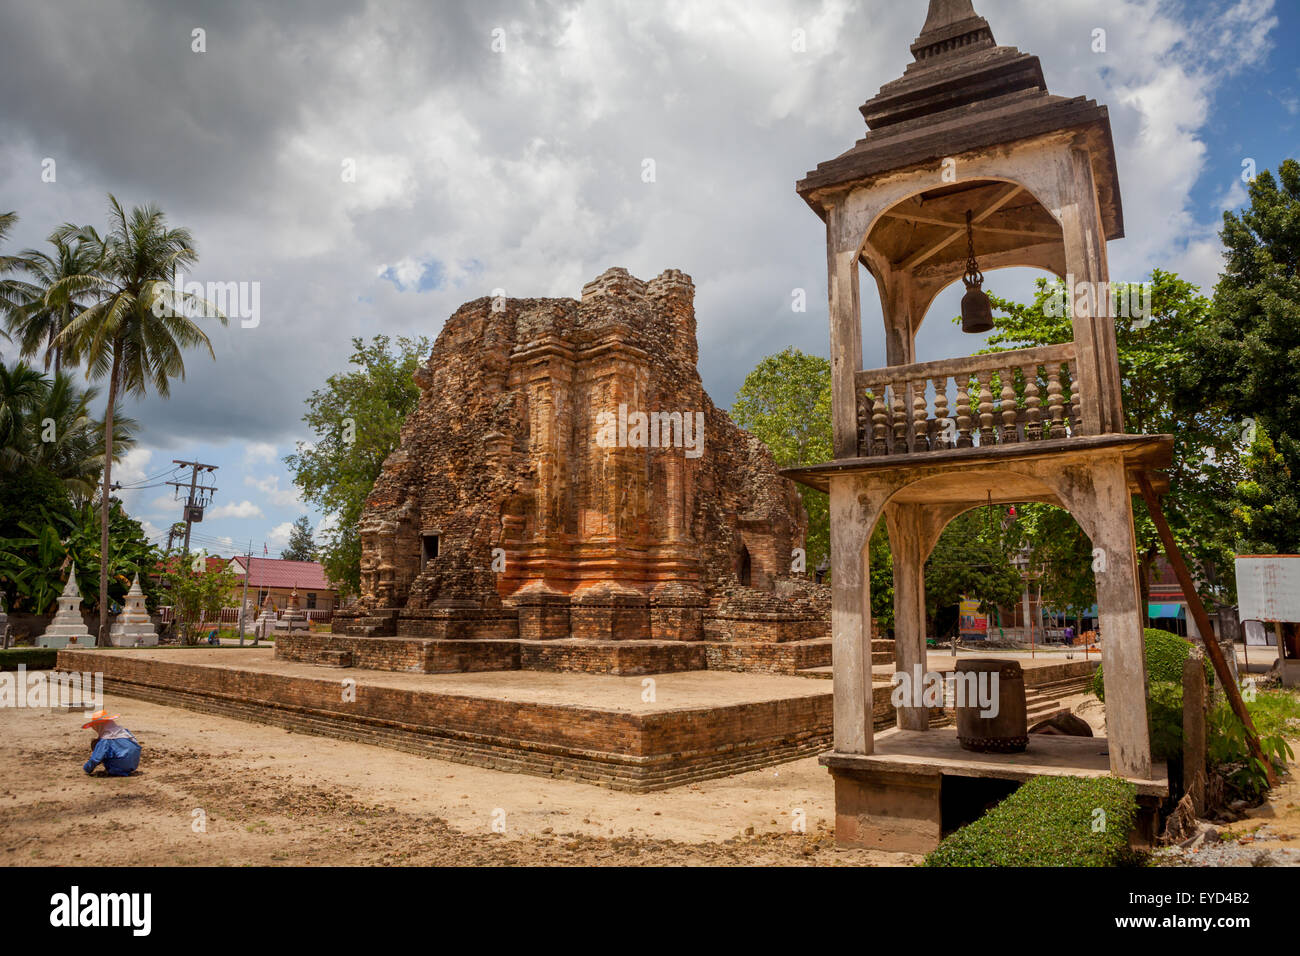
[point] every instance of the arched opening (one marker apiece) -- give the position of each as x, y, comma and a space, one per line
915, 253
744, 569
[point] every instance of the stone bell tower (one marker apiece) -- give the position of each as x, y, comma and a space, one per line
969, 164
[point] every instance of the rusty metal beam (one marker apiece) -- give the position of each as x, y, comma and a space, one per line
1203, 624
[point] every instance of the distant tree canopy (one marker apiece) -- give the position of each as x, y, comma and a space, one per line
301, 546
1207, 438
1230, 482
785, 402
356, 421
1245, 358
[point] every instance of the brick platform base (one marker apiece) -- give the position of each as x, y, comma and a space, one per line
564, 655
728, 723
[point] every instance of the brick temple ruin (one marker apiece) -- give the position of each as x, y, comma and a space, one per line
567, 497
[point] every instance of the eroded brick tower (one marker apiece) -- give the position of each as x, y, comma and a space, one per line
565, 476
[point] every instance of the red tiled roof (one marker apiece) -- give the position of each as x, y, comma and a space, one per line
277, 573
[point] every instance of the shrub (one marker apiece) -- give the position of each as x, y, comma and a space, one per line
1165, 720
33, 657
1165, 653
1050, 821
1228, 752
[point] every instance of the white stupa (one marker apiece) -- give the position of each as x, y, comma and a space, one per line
265, 623
67, 626
133, 628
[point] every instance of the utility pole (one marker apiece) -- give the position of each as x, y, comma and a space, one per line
199, 495
243, 601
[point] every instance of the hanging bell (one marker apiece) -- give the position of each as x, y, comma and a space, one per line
976, 310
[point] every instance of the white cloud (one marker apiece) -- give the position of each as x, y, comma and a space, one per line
245, 509
259, 452
279, 535
522, 170
270, 487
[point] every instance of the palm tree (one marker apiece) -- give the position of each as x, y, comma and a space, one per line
21, 389
46, 424
71, 448
7, 264
128, 332
39, 307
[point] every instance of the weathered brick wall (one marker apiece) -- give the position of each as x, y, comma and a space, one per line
426, 656
637, 752
625, 658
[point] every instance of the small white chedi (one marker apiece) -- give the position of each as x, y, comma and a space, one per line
67, 627
133, 628
264, 626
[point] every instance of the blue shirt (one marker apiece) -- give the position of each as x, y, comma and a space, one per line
119, 755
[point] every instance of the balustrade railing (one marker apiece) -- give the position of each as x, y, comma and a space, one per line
980, 401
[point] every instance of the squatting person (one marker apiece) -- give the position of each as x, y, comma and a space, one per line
115, 746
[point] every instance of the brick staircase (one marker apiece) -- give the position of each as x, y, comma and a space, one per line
1040, 707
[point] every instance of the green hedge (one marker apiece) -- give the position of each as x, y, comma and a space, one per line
1049, 822
1166, 653
33, 657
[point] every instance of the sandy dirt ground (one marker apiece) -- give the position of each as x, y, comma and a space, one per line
216, 791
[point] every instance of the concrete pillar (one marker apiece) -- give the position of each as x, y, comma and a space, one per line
1085, 261
846, 332
1118, 601
852, 520
907, 541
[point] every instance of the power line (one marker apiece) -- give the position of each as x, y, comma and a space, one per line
198, 498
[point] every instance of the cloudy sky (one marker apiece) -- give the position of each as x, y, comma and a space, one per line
501, 145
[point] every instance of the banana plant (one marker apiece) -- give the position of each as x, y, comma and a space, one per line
36, 566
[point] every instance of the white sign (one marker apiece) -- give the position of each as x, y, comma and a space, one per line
1268, 587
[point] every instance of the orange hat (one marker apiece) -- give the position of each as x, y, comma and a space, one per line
98, 717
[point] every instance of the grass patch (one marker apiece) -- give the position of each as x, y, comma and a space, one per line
1276, 712
1050, 821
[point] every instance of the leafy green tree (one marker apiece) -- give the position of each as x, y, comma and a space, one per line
301, 547
21, 389
356, 421
785, 402
1266, 508
9, 294
1207, 436
196, 596
129, 331
46, 427
1060, 555
1246, 355
42, 305
972, 559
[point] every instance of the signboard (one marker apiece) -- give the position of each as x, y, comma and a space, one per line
973, 622
1268, 587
